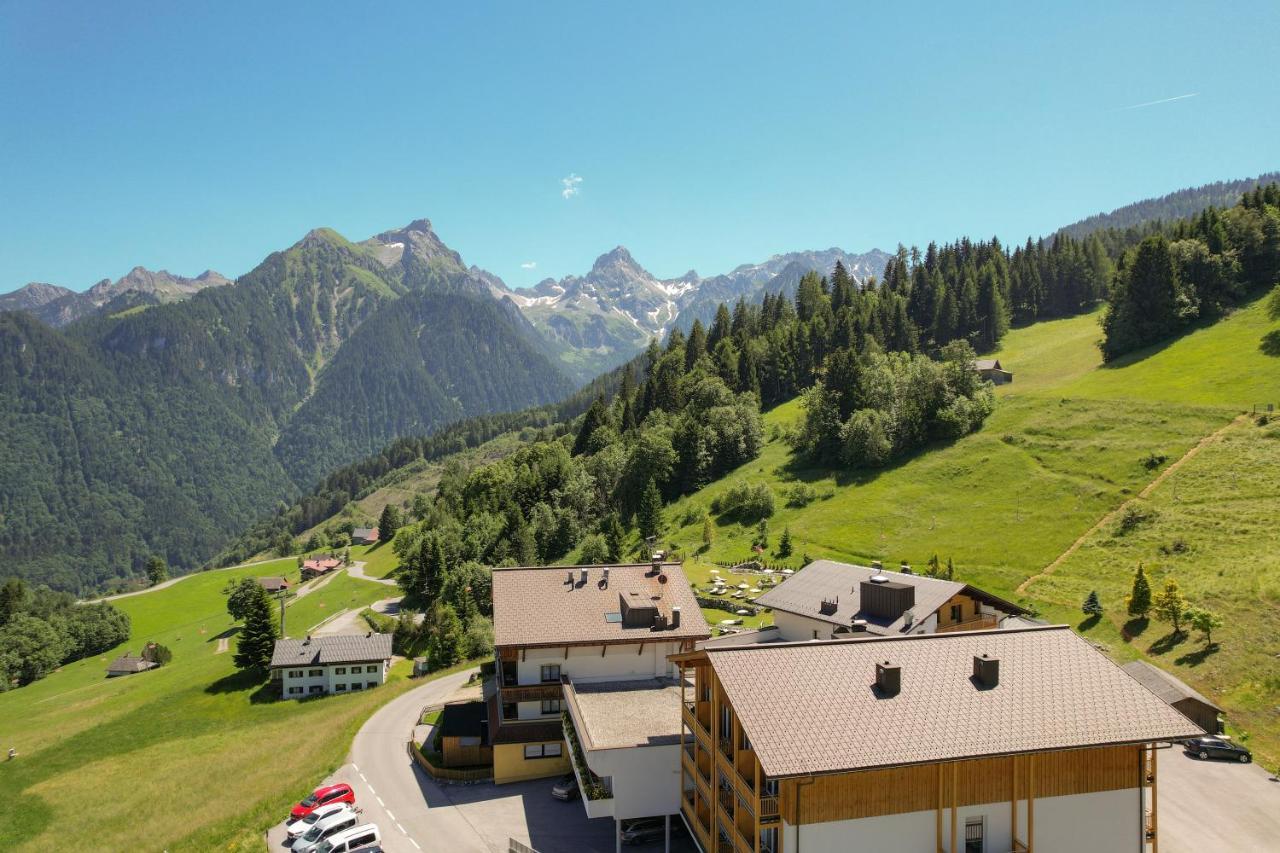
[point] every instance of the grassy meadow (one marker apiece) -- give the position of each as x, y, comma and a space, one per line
1069, 443
182, 745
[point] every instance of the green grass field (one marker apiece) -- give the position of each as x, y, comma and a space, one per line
1065, 446
181, 745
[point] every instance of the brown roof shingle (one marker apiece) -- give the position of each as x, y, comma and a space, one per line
539, 607
1055, 692
1168, 687
339, 648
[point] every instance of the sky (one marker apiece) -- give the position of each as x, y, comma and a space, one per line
537, 136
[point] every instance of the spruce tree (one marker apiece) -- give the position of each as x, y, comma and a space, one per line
784, 543
708, 531
1139, 600
649, 516
1092, 606
258, 636
388, 523
696, 347
595, 418
614, 536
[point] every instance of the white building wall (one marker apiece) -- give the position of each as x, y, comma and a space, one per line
1104, 822
327, 678
585, 663
646, 779
796, 628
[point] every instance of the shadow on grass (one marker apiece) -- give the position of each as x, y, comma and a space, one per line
1168, 642
242, 682
1197, 657
1090, 622
1271, 343
225, 635
1133, 629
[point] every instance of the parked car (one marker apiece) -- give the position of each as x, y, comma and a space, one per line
566, 788
299, 827
325, 828
323, 796
646, 831
364, 839
1216, 746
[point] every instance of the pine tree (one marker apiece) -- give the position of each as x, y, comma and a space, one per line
258, 636
1170, 605
708, 531
951, 570
1139, 599
595, 418
614, 536
762, 534
649, 516
784, 543
157, 571
935, 567
446, 645
696, 347
388, 523
1092, 606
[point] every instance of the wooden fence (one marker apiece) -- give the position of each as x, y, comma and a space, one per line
450, 774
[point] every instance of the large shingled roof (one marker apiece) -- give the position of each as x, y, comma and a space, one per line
540, 607
804, 592
1055, 691
1163, 684
339, 648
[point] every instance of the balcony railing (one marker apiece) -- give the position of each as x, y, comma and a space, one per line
978, 623
726, 799
768, 808
532, 693
726, 747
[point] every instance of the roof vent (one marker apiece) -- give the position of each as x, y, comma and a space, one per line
569, 579
829, 606
584, 575
858, 625
986, 671
888, 679
675, 618
879, 578
307, 641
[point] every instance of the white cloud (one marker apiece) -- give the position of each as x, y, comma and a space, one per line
529, 265
1154, 103
570, 185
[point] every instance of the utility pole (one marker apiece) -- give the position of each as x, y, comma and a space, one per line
281, 596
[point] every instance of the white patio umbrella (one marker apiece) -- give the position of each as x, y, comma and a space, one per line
743, 585
715, 571
768, 571
728, 621
788, 571
743, 612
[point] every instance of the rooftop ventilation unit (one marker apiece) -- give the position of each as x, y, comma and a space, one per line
888, 679
886, 599
986, 671
858, 626
638, 611
584, 575
569, 580
675, 618
829, 606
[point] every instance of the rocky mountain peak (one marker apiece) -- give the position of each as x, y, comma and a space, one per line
616, 258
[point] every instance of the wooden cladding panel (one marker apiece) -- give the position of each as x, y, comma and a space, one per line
899, 790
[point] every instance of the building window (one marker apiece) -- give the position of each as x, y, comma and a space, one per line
510, 711
542, 750
769, 840
339, 687
371, 668
342, 670
295, 673
294, 690
743, 742
973, 835
372, 684
957, 612
551, 672
355, 685
551, 706
315, 673
769, 787
706, 691
315, 688
726, 723
815, 634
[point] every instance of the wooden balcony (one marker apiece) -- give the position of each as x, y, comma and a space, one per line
978, 623
532, 692
768, 809
726, 800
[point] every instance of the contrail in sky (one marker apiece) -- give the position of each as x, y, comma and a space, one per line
1153, 103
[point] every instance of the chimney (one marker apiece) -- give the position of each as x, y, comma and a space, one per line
986, 671
584, 574
368, 635
606, 575
888, 678
569, 579
307, 641
675, 618
829, 606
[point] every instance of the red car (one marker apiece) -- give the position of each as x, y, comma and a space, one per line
323, 796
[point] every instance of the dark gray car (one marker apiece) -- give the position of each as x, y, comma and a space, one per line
1208, 747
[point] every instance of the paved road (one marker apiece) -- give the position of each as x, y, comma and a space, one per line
1215, 805
351, 622
357, 571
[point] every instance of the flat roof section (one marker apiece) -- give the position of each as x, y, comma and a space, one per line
625, 714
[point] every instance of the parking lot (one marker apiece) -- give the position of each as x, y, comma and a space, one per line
1215, 805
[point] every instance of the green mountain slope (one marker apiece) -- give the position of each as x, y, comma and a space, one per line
168, 430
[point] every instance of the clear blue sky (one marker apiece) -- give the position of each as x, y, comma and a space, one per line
194, 135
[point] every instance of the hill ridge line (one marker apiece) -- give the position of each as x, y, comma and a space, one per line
1191, 453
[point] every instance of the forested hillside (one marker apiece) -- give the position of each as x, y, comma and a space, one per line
1167, 208
166, 431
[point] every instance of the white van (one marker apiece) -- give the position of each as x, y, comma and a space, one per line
365, 839
323, 829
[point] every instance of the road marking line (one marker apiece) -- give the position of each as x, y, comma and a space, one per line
390, 815
380, 802
371, 791
401, 828
355, 766
414, 843
362, 776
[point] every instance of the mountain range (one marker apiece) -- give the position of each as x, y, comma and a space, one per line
159, 414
